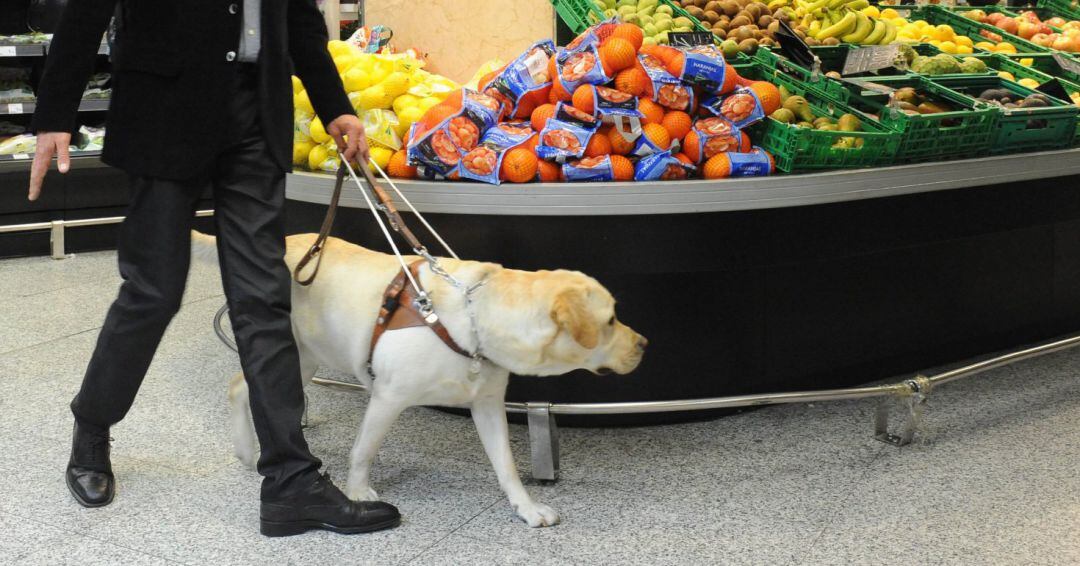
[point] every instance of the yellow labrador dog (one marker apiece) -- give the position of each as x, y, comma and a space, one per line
530, 323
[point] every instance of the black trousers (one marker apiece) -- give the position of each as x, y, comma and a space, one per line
154, 254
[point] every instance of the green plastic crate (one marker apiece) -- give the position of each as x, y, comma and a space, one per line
1012, 64
578, 14
1021, 129
962, 133
1068, 9
806, 149
1045, 62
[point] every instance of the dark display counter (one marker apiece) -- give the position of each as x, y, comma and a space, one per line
782, 283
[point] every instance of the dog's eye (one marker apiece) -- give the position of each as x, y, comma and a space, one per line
612, 321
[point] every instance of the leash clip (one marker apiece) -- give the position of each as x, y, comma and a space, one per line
423, 304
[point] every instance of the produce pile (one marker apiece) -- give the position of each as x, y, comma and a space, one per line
606, 107
656, 20
1055, 33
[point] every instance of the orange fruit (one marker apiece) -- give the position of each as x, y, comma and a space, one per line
617, 54
558, 93
553, 69
541, 115
583, 99
437, 114
605, 31
599, 144
630, 33
677, 123
532, 142
768, 94
399, 166
772, 162
657, 134
731, 80
619, 144
530, 100
621, 168
519, 165
654, 113
690, 147
549, 172
717, 167
665, 53
745, 145
634, 81
682, 157
675, 64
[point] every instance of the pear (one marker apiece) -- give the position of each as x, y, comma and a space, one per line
649, 29
664, 9
800, 107
660, 25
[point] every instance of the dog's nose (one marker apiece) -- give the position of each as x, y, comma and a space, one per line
642, 342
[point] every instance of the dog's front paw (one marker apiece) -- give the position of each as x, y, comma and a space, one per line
362, 493
537, 515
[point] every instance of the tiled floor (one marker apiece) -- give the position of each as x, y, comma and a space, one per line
994, 480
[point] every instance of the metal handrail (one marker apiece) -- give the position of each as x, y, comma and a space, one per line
57, 227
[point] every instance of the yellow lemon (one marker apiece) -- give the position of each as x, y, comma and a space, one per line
410, 115
1006, 47
297, 86
301, 151
318, 132
1006, 75
396, 84
889, 13
428, 102
381, 156
344, 62
355, 79
338, 48
963, 40
1027, 61
374, 97
1030, 83
315, 158
418, 78
404, 101
985, 46
944, 32
872, 11
964, 50
948, 47
302, 102
380, 71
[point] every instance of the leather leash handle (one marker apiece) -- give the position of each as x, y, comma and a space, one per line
315, 251
396, 221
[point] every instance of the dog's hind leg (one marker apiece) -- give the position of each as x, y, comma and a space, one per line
381, 413
489, 414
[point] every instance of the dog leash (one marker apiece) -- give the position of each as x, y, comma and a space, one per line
382, 202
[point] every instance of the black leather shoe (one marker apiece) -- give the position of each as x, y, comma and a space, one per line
89, 472
323, 506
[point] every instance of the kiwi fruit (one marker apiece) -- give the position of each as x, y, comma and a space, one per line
744, 33
759, 33
713, 6
764, 21
773, 27
754, 10
738, 22
748, 46
720, 32
722, 26
696, 12
831, 41
712, 16
811, 41
731, 7
767, 42
700, 3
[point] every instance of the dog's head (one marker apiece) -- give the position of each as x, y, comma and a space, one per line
552, 322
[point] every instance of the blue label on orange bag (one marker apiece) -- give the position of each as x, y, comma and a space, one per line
661, 166
644, 146
562, 139
527, 73
581, 68
586, 39
753, 164
609, 104
507, 135
704, 66
742, 107
714, 135
441, 147
589, 169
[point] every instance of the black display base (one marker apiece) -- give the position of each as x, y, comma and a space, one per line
794, 298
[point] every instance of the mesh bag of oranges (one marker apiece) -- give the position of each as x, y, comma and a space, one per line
663, 166
449, 130
524, 83
485, 162
665, 88
566, 134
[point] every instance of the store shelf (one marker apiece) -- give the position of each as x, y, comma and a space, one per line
22, 50
621, 198
17, 108
22, 161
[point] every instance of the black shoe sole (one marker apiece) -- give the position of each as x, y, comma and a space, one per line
83, 502
290, 528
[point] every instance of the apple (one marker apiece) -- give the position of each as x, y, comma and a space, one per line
977, 15
1030, 16
1027, 29
1063, 43
993, 18
1056, 21
1043, 28
1008, 25
1042, 39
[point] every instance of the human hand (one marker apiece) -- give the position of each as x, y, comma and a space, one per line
48, 145
348, 134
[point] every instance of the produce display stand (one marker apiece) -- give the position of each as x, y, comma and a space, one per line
788, 283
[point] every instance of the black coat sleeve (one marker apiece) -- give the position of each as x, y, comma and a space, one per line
69, 64
313, 64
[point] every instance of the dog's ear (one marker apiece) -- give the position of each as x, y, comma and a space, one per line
571, 312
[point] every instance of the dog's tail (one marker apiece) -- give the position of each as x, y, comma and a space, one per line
203, 246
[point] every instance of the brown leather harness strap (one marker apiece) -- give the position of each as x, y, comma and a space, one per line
315, 251
399, 310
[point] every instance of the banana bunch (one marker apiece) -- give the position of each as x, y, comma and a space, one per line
831, 22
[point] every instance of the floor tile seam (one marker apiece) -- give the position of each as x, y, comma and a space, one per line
49, 341
92, 281
451, 532
831, 516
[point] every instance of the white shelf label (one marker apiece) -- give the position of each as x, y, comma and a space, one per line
7, 50
16, 108
21, 156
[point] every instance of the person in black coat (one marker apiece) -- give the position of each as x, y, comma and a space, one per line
202, 99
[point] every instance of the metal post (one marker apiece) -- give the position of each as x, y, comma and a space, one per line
543, 441
56, 239
915, 402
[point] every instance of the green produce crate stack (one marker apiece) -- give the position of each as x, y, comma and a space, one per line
966, 26
798, 148
1046, 63
962, 133
1020, 129
580, 14
1068, 9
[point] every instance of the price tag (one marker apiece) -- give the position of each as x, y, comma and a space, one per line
872, 58
21, 156
1054, 88
16, 108
690, 38
7, 50
1067, 63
